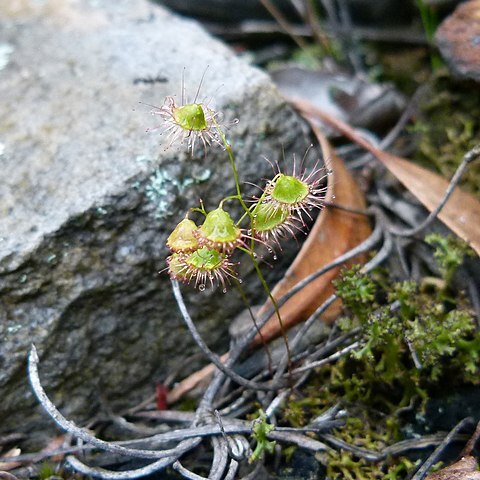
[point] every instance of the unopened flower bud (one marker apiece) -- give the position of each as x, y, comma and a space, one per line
288, 190
190, 117
189, 123
204, 265
298, 194
219, 232
271, 223
182, 239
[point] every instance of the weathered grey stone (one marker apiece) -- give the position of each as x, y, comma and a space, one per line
82, 183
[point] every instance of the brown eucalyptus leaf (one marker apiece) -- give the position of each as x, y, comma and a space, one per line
334, 233
465, 469
5, 464
462, 211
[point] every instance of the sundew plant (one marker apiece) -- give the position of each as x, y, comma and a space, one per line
400, 342
201, 252
206, 248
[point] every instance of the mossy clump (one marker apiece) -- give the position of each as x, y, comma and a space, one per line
407, 344
448, 127
449, 253
55, 471
412, 338
372, 432
344, 465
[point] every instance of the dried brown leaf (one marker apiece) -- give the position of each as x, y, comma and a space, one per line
5, 464
335, 232
461, 213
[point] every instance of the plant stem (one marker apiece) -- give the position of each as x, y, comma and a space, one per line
275, 306
257, 328
228, 148
248, 212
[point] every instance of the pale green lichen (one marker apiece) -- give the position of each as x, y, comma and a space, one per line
161, 187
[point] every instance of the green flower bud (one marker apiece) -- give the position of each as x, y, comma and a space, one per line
177, 267
182, 239
289, 190
298, 194
271, 223
205, 265
190, 117
267, 218
188, 123
205, 259
219, 231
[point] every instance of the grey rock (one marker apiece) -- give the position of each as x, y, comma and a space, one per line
87, 198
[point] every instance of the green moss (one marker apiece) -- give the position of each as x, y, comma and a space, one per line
299, 409
260, 430
52, 471
449, 254
406, 345
344, 465
412, 339
372, 431
448, 127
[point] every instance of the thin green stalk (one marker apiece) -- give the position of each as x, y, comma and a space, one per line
243, 295
274, 302
430, 23
228, 148
248, 211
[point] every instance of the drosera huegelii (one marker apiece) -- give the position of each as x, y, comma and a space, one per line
188, 122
